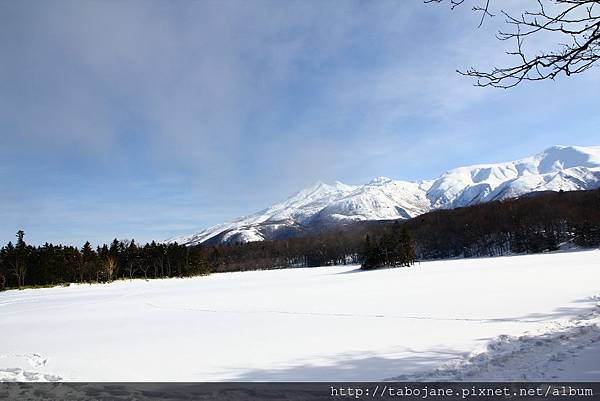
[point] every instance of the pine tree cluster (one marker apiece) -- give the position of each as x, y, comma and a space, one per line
392, 248
25, 265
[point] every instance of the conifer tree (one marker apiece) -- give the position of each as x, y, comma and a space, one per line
20, 259
408, 248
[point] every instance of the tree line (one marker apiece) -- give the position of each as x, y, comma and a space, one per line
26, 265
530, 224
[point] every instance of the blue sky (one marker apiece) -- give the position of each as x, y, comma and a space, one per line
152, 119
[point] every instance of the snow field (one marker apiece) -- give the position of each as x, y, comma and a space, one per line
431, 321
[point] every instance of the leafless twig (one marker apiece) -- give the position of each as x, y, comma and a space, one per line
575, 22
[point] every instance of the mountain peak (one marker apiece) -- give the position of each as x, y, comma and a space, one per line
559, 157
325, 205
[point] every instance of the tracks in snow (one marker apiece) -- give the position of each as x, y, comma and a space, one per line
537, 356
341, 314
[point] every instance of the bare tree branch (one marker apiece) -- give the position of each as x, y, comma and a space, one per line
484, 10
575, 22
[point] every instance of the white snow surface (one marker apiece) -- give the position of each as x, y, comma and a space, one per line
557, 168
532, 317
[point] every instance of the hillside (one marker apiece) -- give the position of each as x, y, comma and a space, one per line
529, 224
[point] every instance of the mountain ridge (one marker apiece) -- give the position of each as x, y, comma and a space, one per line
324, 205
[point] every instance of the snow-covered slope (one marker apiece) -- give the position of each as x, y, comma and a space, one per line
284, 217
568, 168
511, 318
559, 167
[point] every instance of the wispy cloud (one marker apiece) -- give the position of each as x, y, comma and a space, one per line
124, 117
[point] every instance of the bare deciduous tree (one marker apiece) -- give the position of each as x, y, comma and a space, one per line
574, 23
110, 267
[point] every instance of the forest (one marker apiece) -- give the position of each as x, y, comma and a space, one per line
533, 223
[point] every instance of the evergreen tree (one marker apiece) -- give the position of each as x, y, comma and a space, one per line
197, 262
132, 258
408, 257
90, 263
371, 257
20, 259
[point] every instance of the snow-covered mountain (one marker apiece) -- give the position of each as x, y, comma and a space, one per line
322, 205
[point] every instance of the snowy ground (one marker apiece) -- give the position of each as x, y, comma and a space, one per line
510, 318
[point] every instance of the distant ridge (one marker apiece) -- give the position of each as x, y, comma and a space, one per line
324, 205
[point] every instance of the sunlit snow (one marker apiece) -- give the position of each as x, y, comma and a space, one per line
326, 323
